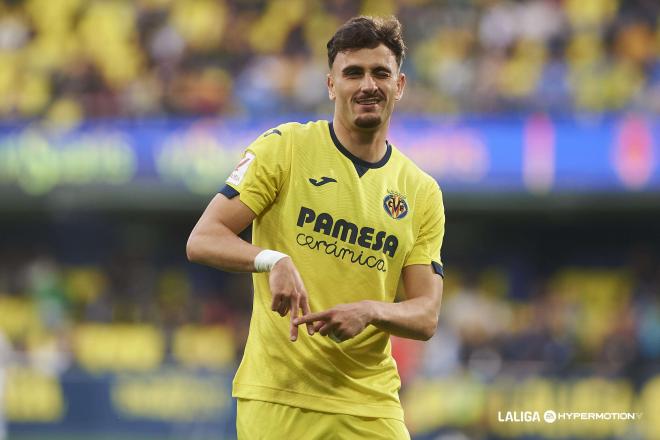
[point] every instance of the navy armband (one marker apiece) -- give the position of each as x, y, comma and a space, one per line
437, 268
229, 192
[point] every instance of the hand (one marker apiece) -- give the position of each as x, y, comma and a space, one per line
342, 322
289, 293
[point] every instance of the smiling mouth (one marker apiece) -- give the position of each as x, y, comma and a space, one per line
367, 101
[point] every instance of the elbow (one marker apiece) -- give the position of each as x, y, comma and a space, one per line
192, 250
430, 328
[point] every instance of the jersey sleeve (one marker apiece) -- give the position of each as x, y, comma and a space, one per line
426, 249
263, 169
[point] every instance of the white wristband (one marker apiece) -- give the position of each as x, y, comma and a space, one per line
266, 259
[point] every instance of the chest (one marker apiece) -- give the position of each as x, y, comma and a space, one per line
327, 198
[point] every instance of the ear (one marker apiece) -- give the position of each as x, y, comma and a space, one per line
400, 85
331, 87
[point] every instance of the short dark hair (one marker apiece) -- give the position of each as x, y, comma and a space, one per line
366, 32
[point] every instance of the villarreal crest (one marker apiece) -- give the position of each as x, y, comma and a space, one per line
395, 205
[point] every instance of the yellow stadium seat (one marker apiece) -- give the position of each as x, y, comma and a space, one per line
209, 347
18, 316
103, 347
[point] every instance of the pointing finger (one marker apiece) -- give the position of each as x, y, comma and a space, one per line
294, 315
319, 316
306, 311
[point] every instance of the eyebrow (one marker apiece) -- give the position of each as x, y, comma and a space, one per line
355, 68
351, 69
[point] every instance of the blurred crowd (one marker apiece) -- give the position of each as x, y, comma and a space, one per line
67, 60
601, 321
594, 320
50, 307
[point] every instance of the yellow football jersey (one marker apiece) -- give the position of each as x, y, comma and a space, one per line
350, 227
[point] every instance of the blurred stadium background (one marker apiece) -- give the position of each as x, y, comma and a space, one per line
120, 119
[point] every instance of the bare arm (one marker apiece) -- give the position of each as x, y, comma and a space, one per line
414, 318
417, 316
214, 242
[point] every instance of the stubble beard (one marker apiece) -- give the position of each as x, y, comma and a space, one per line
368, 121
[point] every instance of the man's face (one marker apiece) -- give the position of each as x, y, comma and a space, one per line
364, 84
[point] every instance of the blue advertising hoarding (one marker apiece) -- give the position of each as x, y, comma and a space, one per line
532, 154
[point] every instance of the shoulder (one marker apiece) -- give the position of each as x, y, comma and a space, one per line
278, 132
310, 131
285, 134
413, 172
298, 128
282, 142
274, 139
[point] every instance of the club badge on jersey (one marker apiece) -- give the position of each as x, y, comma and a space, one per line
395, 205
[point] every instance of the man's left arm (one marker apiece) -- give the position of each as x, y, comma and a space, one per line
417, 316
414, 318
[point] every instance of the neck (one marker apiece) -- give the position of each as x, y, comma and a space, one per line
369, 146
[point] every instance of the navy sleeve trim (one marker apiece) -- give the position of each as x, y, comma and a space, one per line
228, 192
437, 268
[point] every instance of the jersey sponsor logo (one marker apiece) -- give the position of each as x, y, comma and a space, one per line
239, 172
273, 131
321, 182
395, 205
349, 232
331, 248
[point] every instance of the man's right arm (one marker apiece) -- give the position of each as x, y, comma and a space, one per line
214, 242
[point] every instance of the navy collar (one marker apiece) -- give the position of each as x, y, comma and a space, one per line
361, 165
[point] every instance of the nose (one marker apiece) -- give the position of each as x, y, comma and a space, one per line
368, 84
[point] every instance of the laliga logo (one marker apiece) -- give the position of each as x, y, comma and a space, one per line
550, 416
395, 205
